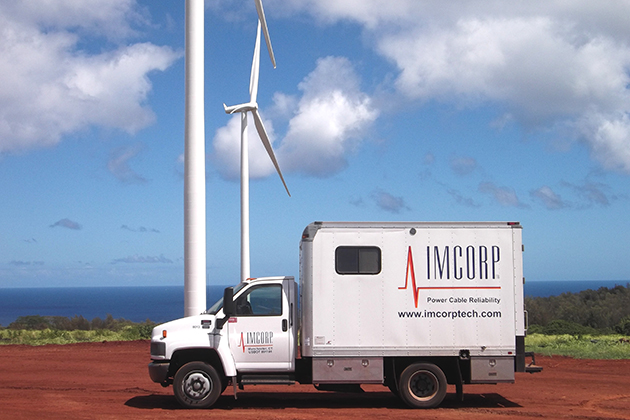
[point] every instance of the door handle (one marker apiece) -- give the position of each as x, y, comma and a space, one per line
285, 326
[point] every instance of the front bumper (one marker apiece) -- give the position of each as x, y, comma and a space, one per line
158, 371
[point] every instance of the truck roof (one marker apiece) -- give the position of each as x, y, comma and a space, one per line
312, 228
416, 224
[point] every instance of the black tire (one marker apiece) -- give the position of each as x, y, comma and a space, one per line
422, 385
197, 385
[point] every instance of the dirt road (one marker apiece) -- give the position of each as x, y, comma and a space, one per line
111, 381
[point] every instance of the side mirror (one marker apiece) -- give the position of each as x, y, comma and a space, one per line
229, 307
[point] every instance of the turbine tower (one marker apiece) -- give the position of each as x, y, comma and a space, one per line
194, 164
252, 106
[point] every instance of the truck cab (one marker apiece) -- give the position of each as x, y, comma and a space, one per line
250, 340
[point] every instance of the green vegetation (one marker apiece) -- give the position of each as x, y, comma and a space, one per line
39, 330
603, 310
579, 346
591, 324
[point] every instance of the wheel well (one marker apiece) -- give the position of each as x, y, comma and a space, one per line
181, 357
449, 365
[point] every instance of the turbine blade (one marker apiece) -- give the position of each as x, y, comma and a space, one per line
265, 140
253, 79
263, 21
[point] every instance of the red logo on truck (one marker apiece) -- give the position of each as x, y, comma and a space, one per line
412, 272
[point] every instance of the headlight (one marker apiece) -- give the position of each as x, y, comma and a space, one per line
158, 348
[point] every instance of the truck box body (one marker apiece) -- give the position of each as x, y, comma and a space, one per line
411, 289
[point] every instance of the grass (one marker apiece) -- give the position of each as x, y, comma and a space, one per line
579, 346
54, 336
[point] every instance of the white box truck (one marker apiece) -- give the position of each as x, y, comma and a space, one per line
413, 306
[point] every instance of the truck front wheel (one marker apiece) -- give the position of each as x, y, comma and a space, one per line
197, 385
422, 385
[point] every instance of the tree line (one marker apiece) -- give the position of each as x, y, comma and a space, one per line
77, 322
605, 310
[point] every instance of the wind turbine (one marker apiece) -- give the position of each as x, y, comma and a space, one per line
252, 106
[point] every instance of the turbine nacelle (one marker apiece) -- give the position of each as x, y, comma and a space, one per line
247, 107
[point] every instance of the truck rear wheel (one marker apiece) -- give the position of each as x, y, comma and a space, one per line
197, 385
422, 385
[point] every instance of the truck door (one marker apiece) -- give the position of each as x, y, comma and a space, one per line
261, 334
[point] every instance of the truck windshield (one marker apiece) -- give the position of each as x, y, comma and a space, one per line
219, 303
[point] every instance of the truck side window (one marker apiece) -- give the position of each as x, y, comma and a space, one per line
358, 260
261, 301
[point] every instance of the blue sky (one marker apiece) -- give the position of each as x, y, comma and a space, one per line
378, 110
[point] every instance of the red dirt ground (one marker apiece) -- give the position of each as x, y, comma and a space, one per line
111, 381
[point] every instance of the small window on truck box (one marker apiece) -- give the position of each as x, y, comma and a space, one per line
358, 260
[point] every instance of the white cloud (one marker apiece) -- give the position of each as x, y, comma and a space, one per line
330, 120
51, 87
549, 64
548, 198
140, 229
140, 259
326, 124
118, 164
608, 137
20, 263
463, 165
591, 193
461, 199
227, 149
111, 18
505, 196
389, 202
532, 65
284, 105
369, 13
68, 224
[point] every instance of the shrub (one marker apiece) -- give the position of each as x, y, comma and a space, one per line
560, 326
623, 327
535, 329
30, 322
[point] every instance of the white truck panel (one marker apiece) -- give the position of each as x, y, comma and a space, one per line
519, 281
442, 288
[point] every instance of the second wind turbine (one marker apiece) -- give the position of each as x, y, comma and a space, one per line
252, 106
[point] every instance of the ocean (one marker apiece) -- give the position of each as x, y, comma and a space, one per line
165, 303
157, 303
